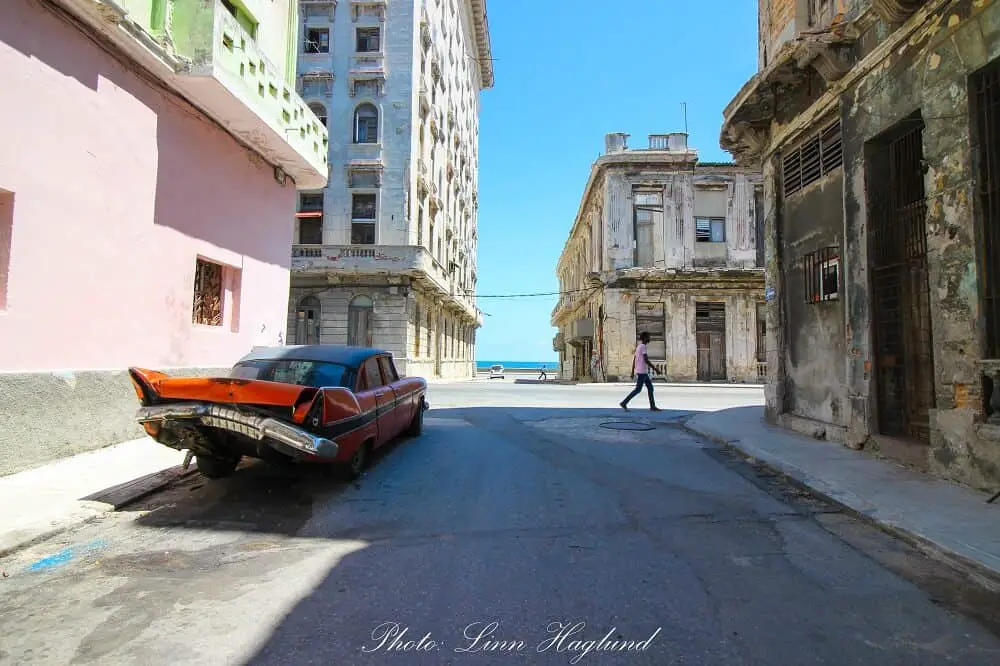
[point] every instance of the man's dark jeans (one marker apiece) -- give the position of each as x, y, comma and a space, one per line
640, 380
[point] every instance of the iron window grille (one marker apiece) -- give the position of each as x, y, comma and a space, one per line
821, 270
818, 156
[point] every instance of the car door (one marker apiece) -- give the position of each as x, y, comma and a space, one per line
403, 413
384, 399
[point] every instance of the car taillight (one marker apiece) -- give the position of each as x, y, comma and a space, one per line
314, 418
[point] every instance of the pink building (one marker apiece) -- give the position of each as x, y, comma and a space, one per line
147, 200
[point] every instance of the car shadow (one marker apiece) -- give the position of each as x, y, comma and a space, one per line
260, 497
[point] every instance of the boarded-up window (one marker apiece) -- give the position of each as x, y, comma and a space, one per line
307, 321
649, 318
646, 205
416, 331
359, 322
710, 334
207, 293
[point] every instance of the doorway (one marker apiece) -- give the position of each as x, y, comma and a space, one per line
901, 318
359, 322
710, 334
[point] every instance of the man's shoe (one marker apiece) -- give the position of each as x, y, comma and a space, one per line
622, 405
655, 409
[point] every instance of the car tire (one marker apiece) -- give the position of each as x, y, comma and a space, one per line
355, 467
417, 424
217, 467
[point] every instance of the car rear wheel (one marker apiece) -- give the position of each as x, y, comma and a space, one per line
417, 424
355, 467
217, 468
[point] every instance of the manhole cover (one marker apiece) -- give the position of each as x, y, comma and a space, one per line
626, 425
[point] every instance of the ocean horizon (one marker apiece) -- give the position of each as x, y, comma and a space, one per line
527, 365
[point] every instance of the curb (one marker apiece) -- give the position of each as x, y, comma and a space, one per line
970, 569
88, 508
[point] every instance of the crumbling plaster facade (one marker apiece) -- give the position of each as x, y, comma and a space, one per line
608, 283
419, 65
882, 69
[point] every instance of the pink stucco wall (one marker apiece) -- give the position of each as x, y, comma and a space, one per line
118, 187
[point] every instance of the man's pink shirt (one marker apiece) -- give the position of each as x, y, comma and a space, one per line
640, 360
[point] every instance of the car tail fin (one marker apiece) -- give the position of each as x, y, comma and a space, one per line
305, 403
142, 382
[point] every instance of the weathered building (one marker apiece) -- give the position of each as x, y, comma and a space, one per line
875, 123
385, 255
666, 244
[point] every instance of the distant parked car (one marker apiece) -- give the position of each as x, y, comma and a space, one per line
496, 371
309, 403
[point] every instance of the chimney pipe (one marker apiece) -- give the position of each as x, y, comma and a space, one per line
677, 141
616, 142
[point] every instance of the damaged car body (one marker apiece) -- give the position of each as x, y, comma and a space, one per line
308, 403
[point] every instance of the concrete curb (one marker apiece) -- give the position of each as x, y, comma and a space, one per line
90, 507
977, 572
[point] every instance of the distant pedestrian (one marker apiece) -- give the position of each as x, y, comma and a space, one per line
641, 368
543, 376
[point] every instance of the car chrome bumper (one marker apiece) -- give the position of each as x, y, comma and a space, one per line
255, 427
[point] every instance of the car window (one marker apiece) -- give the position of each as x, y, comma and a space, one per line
328, 374
300, 373
371, 370
388, 369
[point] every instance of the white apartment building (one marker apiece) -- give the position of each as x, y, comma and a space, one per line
385, 256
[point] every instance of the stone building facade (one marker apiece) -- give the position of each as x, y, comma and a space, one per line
875, 123
385, 255
665, 244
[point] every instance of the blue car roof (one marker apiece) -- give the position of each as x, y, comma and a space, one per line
351, 357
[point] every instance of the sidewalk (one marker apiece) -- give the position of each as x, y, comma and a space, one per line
947, 521
44, 501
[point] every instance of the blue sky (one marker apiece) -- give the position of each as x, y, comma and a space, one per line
567, 73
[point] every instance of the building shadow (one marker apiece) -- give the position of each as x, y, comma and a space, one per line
183, 170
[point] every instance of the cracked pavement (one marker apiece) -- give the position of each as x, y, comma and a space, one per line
516, 507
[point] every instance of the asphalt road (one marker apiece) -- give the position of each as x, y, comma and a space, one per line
515, 530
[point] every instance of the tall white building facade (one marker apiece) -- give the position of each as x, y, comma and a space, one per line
385, 256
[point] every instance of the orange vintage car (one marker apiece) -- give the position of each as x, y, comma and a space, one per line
311, 403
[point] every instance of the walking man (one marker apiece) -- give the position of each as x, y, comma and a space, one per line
640, 372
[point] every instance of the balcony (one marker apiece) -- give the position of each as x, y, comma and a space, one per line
372, 8
205, 55
415, 262
364, 153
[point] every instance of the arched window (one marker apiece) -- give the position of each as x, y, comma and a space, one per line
320, 112
307, 321
366, 124
359, 322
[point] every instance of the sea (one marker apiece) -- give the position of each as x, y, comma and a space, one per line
518, 365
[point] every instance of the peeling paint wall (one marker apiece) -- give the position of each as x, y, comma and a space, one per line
813, 219
707, 192
930, 75
820, 361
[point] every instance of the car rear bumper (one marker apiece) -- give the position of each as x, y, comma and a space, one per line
285, 437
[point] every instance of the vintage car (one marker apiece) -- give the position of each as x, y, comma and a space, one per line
306, 403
